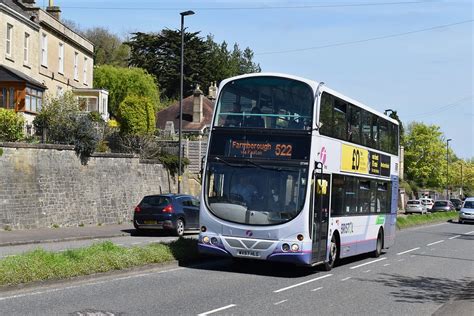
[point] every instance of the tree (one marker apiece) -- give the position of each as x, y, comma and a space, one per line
122, 82
394, 116
136, 116
425, 155
205, 60
108, 48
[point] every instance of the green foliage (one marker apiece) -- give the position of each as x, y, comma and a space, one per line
425, 152
394, 116
96, 117
108, 47
122, 82
103, 147
1, 152
136, 116
86, 137
56, 117
205, 60
11, 125
171, 162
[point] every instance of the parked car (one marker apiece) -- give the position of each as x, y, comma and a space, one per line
466, 214
415, 206
173, 212
442, 206
427, 202
457, 203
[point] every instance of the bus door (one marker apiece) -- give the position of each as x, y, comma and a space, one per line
321, 194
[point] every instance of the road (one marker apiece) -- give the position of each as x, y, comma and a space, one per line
429, 270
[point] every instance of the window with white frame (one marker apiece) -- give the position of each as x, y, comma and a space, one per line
26, 48
89, 104
61, 58
9, 43
33, 100
44, 50
76, 66
84, 80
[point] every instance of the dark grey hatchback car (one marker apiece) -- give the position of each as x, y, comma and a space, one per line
173, 212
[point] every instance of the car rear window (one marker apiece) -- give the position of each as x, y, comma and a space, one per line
413, 202
155, 200
441, 203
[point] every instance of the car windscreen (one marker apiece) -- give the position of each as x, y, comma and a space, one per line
255, 194
440, 203
469, 204
155, 201
265, 102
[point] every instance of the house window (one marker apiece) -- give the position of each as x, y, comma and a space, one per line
9, 46
76, 66
33, 100
85, 71
59, 91
7, 98
26, 47
61, 58
44, 50
89, 104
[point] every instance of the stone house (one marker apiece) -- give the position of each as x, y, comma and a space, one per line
40, 55
197, 114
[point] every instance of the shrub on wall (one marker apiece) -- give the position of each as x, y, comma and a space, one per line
86, 137
136, 116
11, 125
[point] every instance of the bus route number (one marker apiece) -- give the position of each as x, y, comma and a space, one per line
355, 159
284, 150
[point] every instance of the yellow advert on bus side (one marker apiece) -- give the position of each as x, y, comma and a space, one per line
354, 159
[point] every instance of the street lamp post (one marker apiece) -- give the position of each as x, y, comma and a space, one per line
447, 168
180, 150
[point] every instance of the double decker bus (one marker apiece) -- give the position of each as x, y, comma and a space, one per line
296, 172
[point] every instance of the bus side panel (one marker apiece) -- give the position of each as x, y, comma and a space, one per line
391, 222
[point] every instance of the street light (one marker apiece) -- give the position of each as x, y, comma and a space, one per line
447, 167
180, 153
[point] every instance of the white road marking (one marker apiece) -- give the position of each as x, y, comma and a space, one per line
277, 303
434, 243
364, 264
407, 251
302, 283
470, 233
345, 279
387, 264
85, 284
317, 289
455, 237
217, 310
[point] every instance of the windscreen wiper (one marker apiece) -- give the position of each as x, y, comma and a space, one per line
226, 162
267, 168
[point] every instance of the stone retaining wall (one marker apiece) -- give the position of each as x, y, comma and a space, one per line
46, 185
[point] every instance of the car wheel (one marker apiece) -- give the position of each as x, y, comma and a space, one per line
460, 221
136, 226
378, 246
179, 230
333, 250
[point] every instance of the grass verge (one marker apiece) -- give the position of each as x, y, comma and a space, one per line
41, 265
419, 219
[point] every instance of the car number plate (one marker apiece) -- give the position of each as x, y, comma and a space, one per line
246, 253
150, 222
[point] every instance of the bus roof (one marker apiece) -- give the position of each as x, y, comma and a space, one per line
314, 85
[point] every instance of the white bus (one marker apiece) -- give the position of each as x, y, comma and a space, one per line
297, 172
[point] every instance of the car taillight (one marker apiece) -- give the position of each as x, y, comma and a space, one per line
137, 209
168, 209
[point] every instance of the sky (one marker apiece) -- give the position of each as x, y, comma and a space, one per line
415, 57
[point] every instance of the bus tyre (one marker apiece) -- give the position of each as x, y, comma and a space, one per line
379, 245
332, 255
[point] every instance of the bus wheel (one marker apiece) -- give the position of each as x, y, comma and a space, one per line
378, 247
332, 255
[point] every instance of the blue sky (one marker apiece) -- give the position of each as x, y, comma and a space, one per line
426, 76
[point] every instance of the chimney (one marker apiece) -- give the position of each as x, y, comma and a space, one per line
197, 105
212, 91
53, 10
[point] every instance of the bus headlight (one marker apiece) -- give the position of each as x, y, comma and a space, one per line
214, 241
300, 237
285, 247
295, 247
206, 240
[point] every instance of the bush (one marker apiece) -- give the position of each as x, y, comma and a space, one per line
11, 125
86, 137
171, 162
136, 116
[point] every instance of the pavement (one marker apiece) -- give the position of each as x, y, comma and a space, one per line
45, 235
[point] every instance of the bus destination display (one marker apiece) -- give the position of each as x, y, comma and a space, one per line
254, 149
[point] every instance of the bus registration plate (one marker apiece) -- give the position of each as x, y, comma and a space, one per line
246, 253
